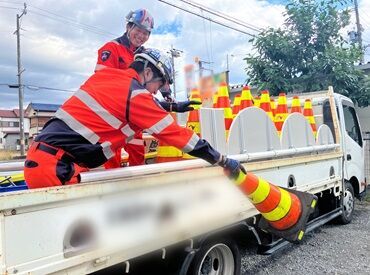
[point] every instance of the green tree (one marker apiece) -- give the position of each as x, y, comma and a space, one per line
308, 53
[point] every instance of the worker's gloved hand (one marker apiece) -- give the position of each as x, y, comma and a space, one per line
184, 106
179, 107
231, 167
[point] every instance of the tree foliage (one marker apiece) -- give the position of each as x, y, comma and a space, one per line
308, 53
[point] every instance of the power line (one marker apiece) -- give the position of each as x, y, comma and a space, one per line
73, 24
10, 8
64, 19
222, 15
208, 18
73, 21
35, 87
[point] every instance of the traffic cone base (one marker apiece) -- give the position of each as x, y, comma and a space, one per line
296, 231
284, 212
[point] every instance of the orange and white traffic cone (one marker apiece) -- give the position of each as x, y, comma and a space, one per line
193, 122
167, 153
281, 112
285, 212
246, 99
296, 105
265, 104
308, 113
236, 105
223, 102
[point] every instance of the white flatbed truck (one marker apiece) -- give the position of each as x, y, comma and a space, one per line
114, 217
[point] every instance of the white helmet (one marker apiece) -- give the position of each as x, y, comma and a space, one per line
160, 60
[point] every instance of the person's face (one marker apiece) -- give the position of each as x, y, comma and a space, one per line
138, 36
152, 84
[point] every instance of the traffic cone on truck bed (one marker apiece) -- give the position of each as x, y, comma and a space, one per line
193, 117
168, 153
284, 212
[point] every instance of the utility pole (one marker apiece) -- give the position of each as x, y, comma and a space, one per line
174, 53
20, 86
359, 32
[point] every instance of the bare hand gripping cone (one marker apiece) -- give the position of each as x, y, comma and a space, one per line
285, 212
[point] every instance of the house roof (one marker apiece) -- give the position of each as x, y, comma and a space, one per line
44, 107
11, 113
8, 113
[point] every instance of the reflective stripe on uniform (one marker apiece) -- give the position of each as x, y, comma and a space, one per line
136, 141
77, 126
261, 192
99, 67
98, 109
138, 92
107, 151
161, 125
127, 131
282, 209
191, 143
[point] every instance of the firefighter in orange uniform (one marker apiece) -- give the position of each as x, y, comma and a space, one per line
119, 54
103, 115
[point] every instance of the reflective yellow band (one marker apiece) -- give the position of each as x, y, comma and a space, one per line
282, 209
261, 192
241, 178
168, 151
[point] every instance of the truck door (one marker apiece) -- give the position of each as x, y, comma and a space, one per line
354, 151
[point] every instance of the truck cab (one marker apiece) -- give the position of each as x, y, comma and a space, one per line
350, 139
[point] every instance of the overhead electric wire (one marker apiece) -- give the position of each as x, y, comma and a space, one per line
208, 18
10, 8
73, 21
72, 24
222, 15
64, 19
35, 87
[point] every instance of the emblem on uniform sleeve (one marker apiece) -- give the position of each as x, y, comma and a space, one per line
105, 55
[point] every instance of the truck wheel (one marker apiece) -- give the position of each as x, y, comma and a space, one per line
220, 257
348, 204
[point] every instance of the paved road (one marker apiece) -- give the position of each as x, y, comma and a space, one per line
330, 249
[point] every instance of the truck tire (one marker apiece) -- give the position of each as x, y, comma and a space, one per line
348, 204
219, 257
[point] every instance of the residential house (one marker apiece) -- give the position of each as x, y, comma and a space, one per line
9, 129
39, 114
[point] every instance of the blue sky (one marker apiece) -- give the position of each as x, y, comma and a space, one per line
59, 47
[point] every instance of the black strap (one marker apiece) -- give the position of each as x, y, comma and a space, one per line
53, 151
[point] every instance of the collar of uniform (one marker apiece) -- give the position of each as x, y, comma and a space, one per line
132, 73
123, 40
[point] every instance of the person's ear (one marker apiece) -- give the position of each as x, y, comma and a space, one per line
148, 74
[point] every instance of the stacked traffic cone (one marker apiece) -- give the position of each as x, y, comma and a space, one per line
214, 100
285, 212
296, 105
281, 112
236, 106
193, 117
167, 153
308, 113
246, 99
256, 101
223, 101
265, 104
273, 106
